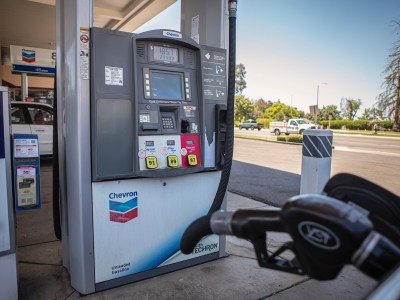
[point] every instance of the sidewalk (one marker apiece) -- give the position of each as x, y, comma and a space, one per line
237, 276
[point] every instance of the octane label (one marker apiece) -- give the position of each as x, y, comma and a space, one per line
151, 162
173, 161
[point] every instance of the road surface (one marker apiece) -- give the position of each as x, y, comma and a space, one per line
270, 172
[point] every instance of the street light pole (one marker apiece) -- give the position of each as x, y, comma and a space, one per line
317, 110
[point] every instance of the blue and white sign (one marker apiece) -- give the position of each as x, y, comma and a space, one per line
33, 60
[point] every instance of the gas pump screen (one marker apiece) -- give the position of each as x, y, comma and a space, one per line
166, 85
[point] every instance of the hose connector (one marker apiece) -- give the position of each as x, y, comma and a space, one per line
232, 8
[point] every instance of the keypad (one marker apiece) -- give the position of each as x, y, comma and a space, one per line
167, 123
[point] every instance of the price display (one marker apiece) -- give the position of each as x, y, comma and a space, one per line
166, 54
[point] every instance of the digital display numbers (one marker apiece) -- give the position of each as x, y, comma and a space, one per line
166, 54
149, 143
190, 142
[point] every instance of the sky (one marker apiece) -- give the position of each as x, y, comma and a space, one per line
290, 47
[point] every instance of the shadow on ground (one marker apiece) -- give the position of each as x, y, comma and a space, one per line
263, 184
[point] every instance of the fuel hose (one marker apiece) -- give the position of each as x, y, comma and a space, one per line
226, 170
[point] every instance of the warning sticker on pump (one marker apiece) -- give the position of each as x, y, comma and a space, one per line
84, 53
190, 111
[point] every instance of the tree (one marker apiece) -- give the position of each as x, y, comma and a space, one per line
279, 111
389, 100
350, 107
243, 108
330, 110
260, 106
372, 113
240, 81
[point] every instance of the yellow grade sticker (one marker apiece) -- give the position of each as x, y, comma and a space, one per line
151, 162
192, 160
173, 161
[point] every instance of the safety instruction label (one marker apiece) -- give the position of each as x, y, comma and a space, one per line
214, 75
84, 38
190, 111
114, 76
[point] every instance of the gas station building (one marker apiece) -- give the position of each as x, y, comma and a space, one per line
141, 141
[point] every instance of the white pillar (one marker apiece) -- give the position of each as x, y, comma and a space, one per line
74, 18
24, 86
316, 161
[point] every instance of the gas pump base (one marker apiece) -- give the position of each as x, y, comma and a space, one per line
139, 223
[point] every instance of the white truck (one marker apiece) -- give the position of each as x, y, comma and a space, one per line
296, 126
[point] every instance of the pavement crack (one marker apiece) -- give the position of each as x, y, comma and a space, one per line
68, 296
41, 243
289, 287
37, 263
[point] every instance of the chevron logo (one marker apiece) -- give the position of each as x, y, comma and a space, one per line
123, 212
28, 56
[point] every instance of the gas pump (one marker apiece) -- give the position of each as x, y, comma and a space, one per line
154, 166
153, 160
8, 257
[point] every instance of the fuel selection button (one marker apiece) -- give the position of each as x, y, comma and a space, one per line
172, 161
151, 162
192, 160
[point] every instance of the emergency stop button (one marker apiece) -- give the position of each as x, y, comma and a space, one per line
192, 160
172, 161
151, 162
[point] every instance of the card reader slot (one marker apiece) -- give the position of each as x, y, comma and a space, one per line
150, 126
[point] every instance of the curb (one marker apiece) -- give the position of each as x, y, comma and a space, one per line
262, 140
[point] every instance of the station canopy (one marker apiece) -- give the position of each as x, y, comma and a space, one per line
33, 22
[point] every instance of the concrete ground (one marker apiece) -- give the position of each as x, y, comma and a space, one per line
237, 276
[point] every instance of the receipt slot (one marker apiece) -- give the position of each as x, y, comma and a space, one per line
8, 259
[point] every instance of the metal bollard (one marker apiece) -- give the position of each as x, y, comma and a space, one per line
316, 161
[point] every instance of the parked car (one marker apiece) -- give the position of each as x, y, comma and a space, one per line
34, 118
250, 124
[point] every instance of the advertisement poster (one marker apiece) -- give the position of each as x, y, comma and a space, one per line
26, 147
26, 186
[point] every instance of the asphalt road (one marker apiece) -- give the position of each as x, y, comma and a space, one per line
270, 172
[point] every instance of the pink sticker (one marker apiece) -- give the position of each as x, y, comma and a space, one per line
183, 151
142, 154
164, 151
